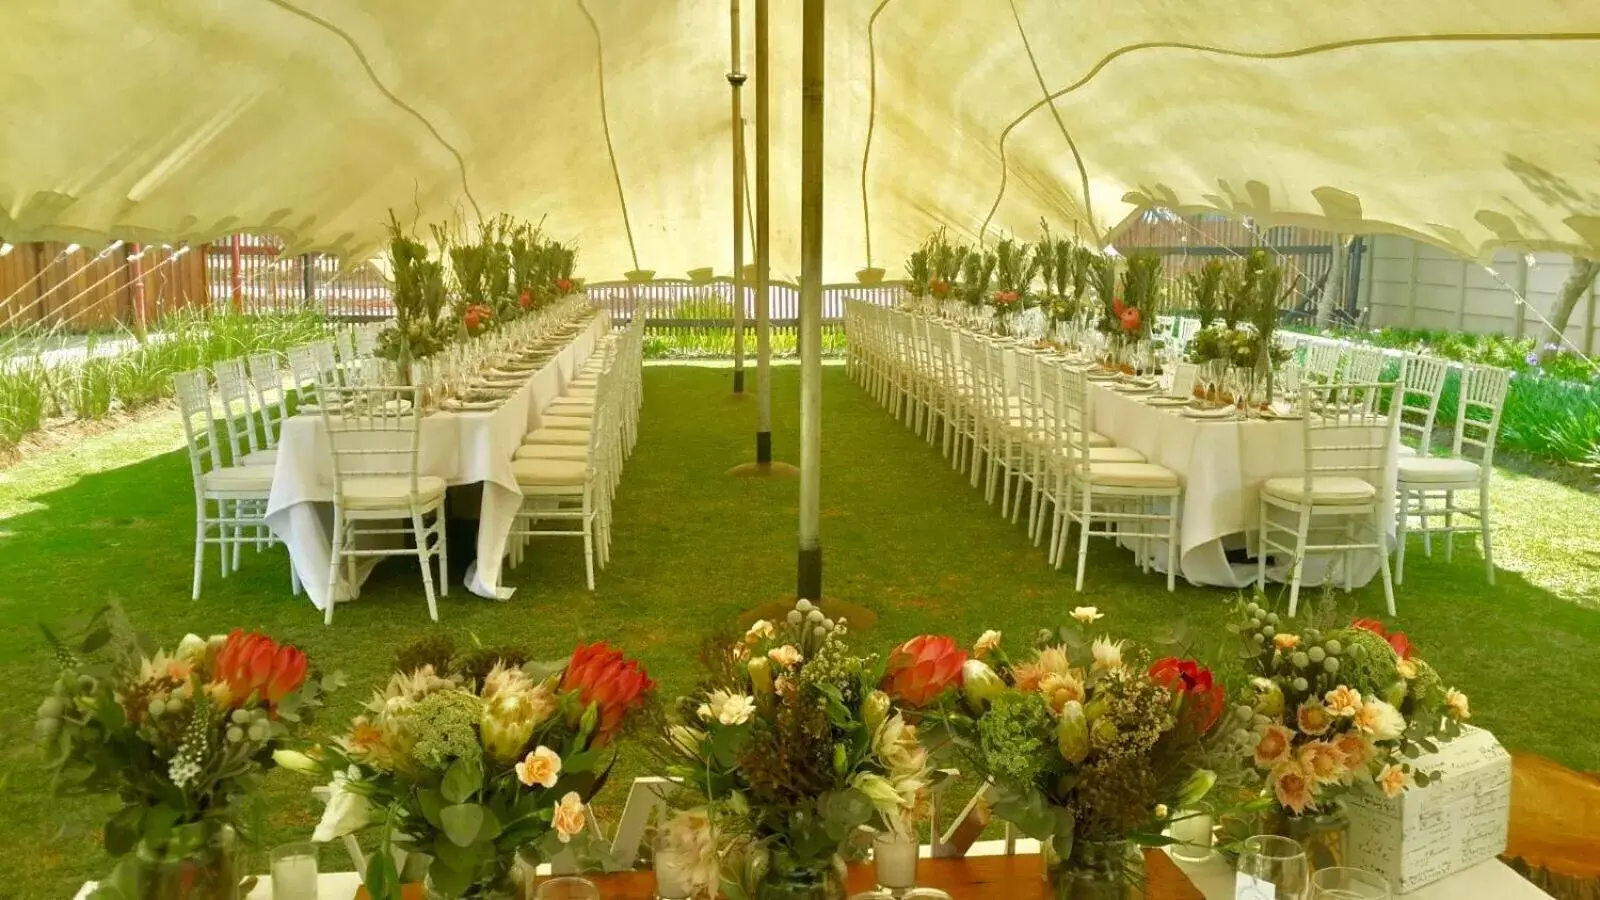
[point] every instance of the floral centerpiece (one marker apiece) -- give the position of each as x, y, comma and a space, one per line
1336, 709
181, 737
473, 760
792, 747
1090, 747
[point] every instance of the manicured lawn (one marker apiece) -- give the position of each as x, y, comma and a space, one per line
904, 537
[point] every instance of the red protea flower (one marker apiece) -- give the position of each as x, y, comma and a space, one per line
525, 300
1398, 640
614, 684
1202, 696
1117, 306
1131, 318
564, 285
256, 665
939, 288
923, 668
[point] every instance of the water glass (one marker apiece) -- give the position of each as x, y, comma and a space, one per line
672, 882
294, 871
1272, 868
894, 860
1192, 831
1343, 883
567, 887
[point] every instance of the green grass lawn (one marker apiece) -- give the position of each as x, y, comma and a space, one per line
904, 537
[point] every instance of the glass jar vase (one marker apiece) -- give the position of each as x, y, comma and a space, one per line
801, 880
1324, 834
200, 863
1096, 870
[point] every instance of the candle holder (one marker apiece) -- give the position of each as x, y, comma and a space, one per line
894, 861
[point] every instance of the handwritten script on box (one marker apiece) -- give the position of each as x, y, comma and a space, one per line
1429, 833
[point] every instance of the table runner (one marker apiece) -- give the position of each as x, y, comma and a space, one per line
460, 447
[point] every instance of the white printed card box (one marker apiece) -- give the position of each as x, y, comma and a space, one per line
1432, 832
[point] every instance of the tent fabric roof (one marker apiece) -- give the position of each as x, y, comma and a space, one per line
1466, 123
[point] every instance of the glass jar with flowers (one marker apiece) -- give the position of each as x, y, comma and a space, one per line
476, 760
1090, 749
793, 747
1335, 708
182, 736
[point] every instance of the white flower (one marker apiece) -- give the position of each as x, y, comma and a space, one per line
895, 742
691, 853
295, 761
686, 740
737, 710
348, 811
705, 713
192, 649
1380, 720
787, 656
1107, 653
1457, 703
892, 800
761, 630
986, 643
1087, 614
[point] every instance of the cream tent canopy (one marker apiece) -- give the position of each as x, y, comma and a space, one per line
1467, 123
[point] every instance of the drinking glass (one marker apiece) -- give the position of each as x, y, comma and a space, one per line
294, 871
1192, 832
894, 860
567, 887
672, 882
1343, 883
1272, 868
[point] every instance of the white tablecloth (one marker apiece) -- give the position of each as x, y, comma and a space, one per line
1222, 465
460, 447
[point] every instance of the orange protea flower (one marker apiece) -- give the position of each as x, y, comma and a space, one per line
1286, 641
1293, 787
1059, 690
1313, 718
1356, 750
1274, 746
922, 668
1322, 761
603, 676
255, 665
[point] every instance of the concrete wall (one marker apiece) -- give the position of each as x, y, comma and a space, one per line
1408, 284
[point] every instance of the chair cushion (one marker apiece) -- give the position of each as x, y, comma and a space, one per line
1115, 455
572, 412
259, 458
1135, 475
1326, 490
1433, 469
239, 480
563, 406
569, 436
550, 472
562, 421
1402, 450
552, 451
578, 394
389, 491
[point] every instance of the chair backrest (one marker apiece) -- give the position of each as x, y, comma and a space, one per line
368, 372
327, 363
372, 432
1419, 398
1029, 372
1186, 329
194, 406
1072, 416
303, 370
1348, 429
267, 381
366, 338
238, 414
1322, 360
1483, 397
1363, 364
344, 342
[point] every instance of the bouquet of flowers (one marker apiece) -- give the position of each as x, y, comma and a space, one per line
181, 736
475, 759
1088, 748
793, 747
1339, 708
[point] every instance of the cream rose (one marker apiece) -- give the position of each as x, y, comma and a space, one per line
569, 817
541, 767
786, 656
986, 643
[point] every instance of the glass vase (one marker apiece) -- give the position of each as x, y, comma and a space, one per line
1096, 870
208, 869
1324, 834
810, 880
497, 884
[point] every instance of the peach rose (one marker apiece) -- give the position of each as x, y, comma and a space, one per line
1393, 780
1457, 703
762, 629
1273, 748
986, 643
1313, 718
1322, 761
1292, 786
569, 818
786, 656
1343, 700
541, 767
1286, 641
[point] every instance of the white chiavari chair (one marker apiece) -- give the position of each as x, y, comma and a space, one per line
1426, 480
374, 438
266, 379
1321, 361
1419, 402
238, 416
1348, 436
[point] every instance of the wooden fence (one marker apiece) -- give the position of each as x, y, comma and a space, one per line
44, 287
250, 273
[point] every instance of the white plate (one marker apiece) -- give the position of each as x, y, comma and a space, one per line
1102, 376
1128, 388
455, 405
1221, 412
1169, 401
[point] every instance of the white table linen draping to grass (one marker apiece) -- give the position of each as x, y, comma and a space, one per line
460, 447
1223, 465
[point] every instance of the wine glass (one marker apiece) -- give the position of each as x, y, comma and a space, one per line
1343, 883
1272, 868
567, 887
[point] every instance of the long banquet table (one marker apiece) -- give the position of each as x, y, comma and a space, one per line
460, 447
1223, 464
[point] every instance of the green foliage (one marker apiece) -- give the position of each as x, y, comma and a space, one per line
1205, 290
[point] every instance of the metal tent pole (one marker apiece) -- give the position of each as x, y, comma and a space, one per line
763, 246
811, 87
736, 80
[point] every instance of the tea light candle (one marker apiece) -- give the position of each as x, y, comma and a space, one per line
895, 859
294, 876
672, 881
1192, 831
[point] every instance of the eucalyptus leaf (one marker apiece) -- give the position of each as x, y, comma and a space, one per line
382, 881
461, 781
447, 880
430, 801
462, 822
